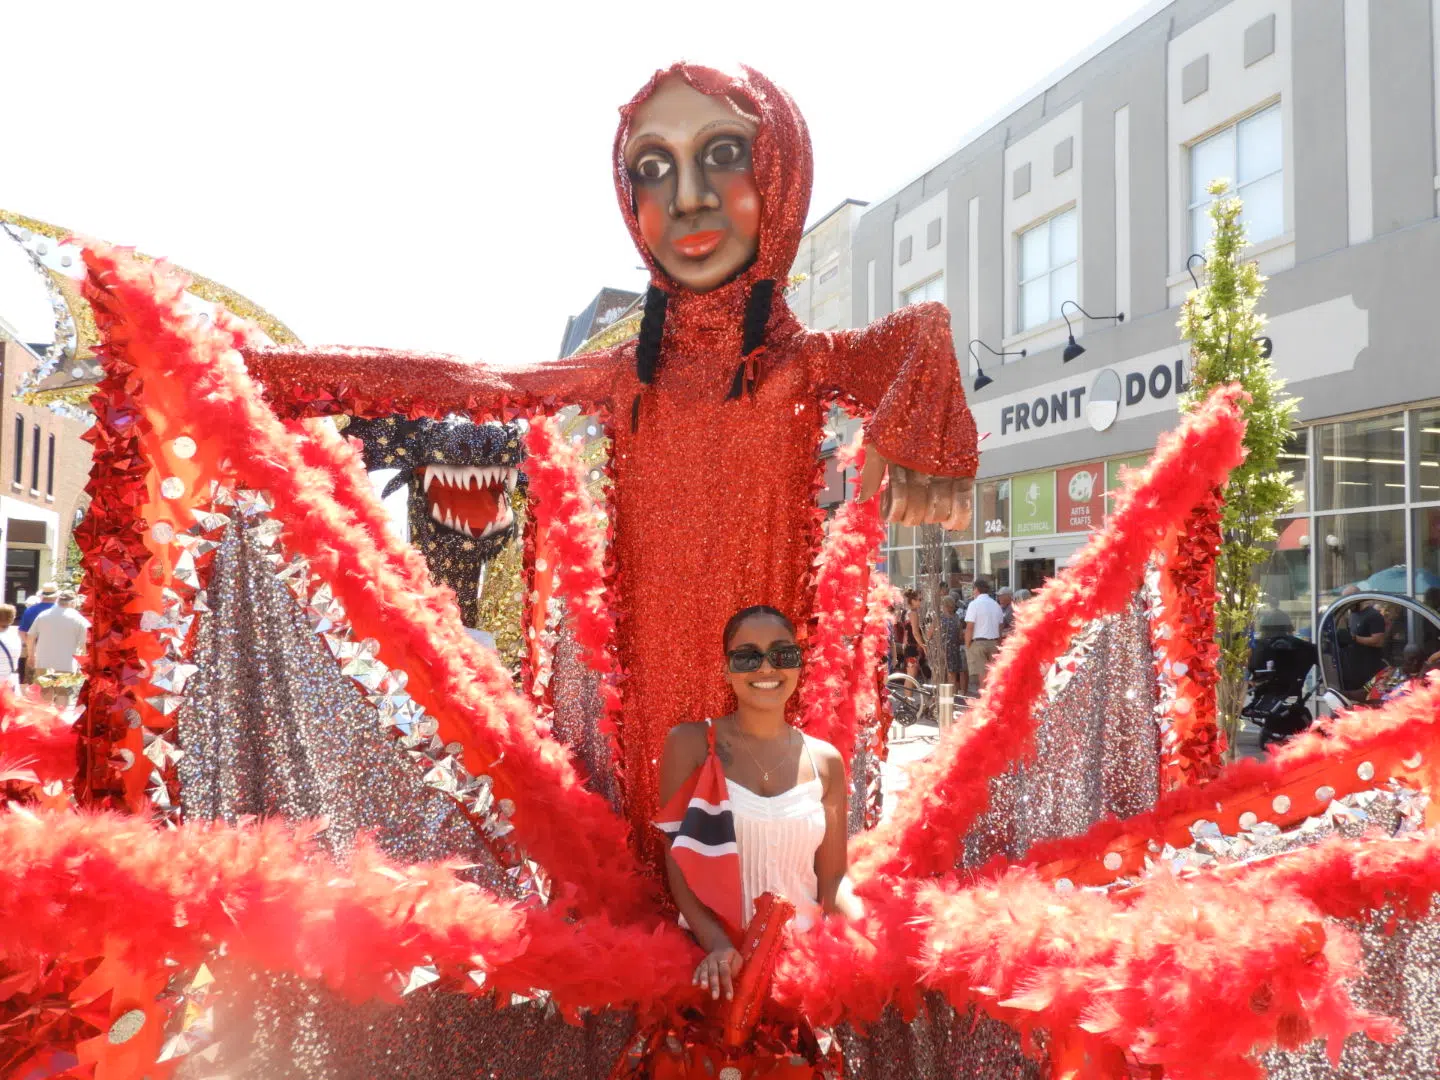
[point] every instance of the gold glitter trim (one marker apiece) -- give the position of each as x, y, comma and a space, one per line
76, 396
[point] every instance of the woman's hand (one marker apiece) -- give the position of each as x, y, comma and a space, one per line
719, 971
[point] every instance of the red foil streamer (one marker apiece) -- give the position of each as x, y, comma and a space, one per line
1194, 747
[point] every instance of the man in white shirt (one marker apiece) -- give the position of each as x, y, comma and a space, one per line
983, 619
56, 637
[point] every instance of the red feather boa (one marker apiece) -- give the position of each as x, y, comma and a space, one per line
277, 905
834, 682
951, 788
569, 830
562, 504
1243, 948
37, 750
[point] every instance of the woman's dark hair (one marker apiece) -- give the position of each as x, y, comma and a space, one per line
736, 620
911, 594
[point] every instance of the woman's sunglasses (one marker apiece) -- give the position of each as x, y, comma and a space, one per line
750, 659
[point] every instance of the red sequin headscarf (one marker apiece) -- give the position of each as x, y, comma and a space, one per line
784, 168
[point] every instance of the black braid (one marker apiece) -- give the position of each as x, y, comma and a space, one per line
757, 317
652, 330
647, 347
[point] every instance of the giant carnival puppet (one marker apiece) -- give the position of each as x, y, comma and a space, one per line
1070, 886
716, 408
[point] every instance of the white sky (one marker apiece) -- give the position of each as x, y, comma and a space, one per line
437, 175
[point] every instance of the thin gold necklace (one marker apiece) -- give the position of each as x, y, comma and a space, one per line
764, 772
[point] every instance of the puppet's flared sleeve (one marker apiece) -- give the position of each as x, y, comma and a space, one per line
902, 370
316, 380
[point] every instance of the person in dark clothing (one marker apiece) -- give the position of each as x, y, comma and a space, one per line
1362, 640
952, 639
913, 639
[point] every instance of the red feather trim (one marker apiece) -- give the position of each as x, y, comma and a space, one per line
834, 682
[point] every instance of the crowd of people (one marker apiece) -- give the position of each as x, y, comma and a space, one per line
958, 643
45, 639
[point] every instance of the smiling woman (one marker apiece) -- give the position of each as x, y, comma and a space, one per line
756, 813
751, 804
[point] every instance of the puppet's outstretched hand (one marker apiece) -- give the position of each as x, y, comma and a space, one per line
914, 498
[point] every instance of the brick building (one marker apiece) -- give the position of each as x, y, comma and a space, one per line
44, 466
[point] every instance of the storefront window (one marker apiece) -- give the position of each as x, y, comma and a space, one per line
959, 565
992, 511
1364, 550
1362, 463
1425, 454
1284, 578
901, 567
1295, 459
995, 563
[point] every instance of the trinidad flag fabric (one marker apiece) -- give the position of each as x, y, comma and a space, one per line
702, 840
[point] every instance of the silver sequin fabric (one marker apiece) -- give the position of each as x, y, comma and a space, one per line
271, 728
578, 713
1097, 754
1097, 746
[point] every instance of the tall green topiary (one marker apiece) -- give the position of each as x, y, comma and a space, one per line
1224, 329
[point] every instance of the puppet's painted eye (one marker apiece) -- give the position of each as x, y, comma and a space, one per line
726, 152
652, 166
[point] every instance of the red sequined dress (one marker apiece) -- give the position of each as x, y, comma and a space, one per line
713, 506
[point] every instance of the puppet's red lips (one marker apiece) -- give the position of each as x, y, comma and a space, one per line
698, 245
470, 500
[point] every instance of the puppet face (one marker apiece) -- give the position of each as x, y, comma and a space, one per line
688, 155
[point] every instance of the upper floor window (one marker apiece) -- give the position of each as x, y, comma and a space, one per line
930, 289
1049, 254
19, 449
50, 466
1251, 155
35, 459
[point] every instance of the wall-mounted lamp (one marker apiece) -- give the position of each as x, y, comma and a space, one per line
1267, 347
1074, 349
981, 379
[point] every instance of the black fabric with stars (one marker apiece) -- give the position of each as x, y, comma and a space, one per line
393, 442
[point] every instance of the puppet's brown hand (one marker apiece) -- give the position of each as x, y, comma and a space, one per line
915, 498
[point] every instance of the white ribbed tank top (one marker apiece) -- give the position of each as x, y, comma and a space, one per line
777, 838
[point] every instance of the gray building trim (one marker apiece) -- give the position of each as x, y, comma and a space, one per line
1195, 78
1401, 100
1064, 155
1259, 39
1318, 68
1020, 185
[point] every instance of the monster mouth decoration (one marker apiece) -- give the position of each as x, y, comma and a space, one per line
473, 500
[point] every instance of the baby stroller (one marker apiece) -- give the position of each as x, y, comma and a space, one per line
1278, 670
